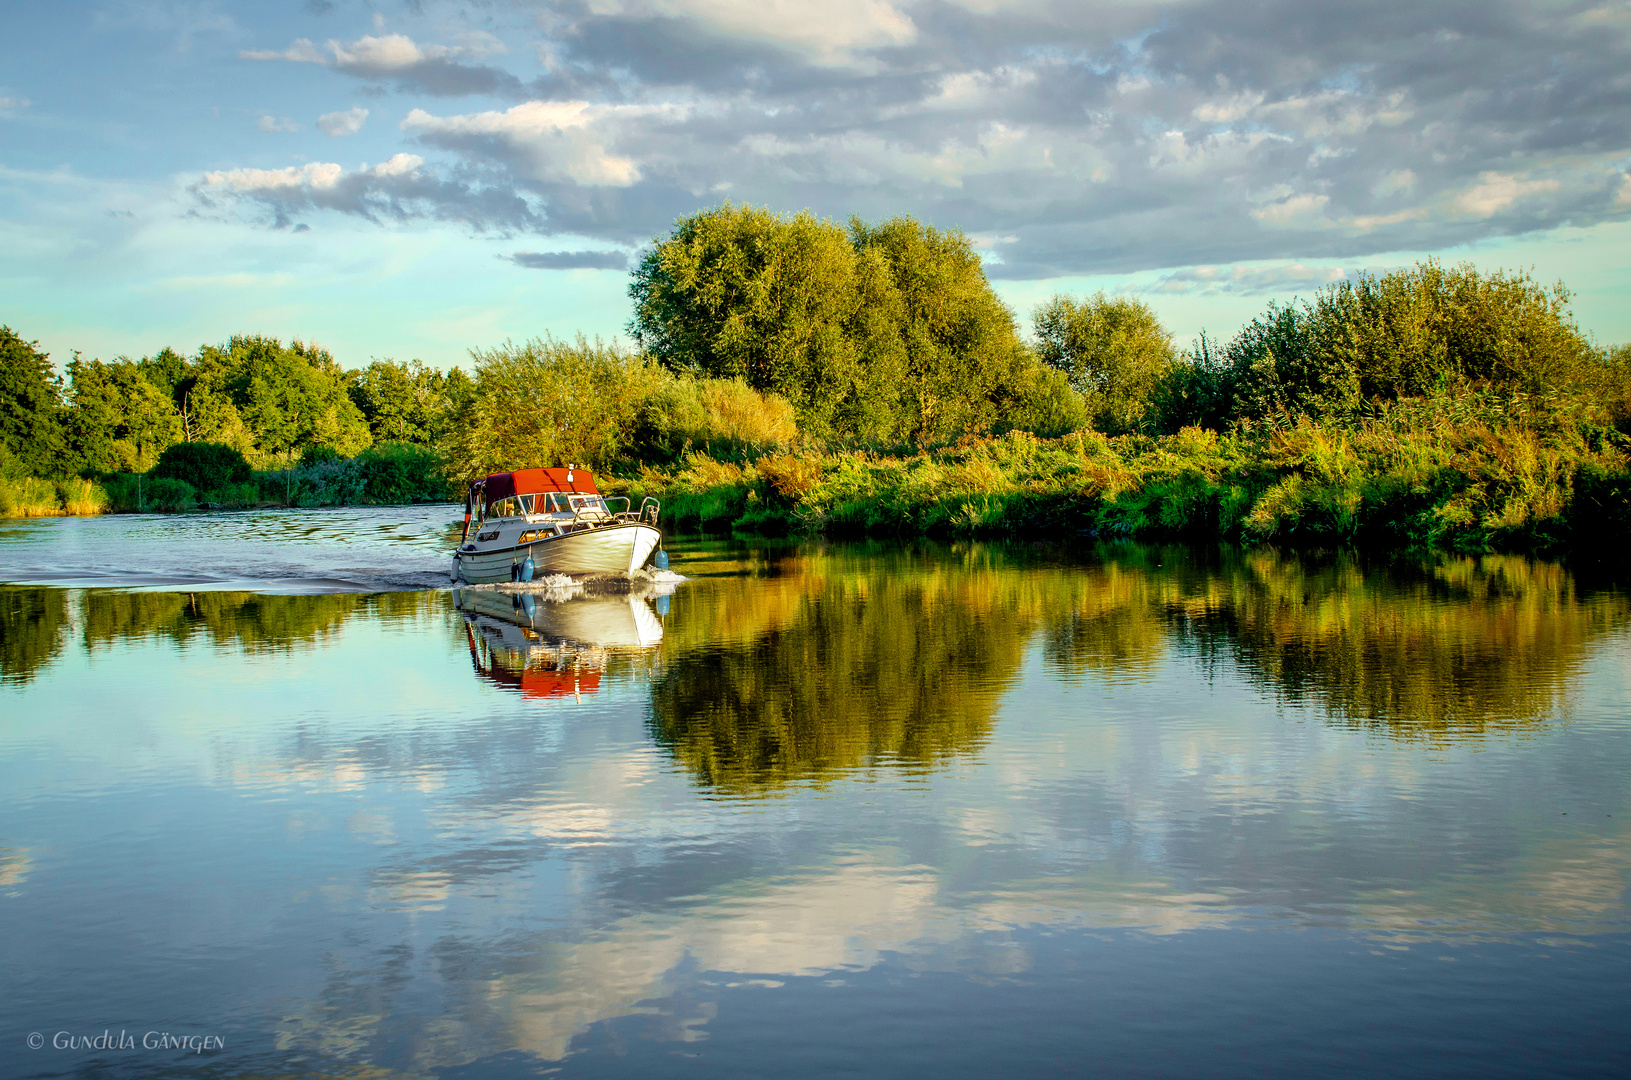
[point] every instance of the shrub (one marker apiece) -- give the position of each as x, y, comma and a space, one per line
741, 421
397, 472
317, 455
166, 495
202, 466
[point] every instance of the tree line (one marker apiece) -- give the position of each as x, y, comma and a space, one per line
756, 333
269, 401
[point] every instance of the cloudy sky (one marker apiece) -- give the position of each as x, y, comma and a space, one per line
415, 179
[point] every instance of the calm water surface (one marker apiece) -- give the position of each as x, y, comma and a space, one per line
877, 810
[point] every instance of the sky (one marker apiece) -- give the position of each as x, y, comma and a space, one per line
418, 179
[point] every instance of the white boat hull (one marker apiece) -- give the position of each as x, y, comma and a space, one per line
608, 549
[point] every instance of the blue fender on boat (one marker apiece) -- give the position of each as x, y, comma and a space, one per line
661, 561
527, 569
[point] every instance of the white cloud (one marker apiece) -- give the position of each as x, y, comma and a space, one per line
14, 103
1246, 280
316, 175
270, 123
553, 140
829, 33
1375, 221
381, 56
1497, 191
348, 122
1624, 197
1229, 109
1293, 211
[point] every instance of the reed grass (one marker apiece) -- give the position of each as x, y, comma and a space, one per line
82, 498
27, 496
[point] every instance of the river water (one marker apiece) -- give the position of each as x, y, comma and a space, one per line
273, 803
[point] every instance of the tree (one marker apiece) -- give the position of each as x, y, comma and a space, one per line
876, 332
117, 421
408, 402
287, 398
548, 402
1114, 351
30, 406
1427, 331
740, 292
962, 357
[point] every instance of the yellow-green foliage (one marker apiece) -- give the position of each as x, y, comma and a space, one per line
1408, 476
26, 496
1114, 351
82, 497
677, 415
1426, 332
876, 334
549, 402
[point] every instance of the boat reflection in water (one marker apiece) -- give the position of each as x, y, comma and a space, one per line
543, 644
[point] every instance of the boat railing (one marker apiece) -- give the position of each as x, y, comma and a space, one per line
647, 514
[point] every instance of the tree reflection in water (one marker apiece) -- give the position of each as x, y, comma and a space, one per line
791, 665
38, 623
843, 658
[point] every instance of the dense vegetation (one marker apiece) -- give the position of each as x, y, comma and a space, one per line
793, 373
251, 421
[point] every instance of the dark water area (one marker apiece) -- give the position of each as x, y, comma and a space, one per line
862, 809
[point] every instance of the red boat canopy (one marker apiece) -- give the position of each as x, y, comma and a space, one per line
504, 485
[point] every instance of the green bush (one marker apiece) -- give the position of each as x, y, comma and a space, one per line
397, 472
202, 466
317, 455
167, 495
1424, 332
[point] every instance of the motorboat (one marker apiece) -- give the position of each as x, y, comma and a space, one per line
539, 522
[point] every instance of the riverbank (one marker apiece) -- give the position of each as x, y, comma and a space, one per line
1395, 481
383, 475
1410, 476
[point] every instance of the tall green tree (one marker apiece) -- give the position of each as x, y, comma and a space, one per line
740, 292
875, 332
1114, 350
288, 398
408, 402
118, 420
30, 406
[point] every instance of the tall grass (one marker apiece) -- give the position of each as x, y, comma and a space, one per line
26, 496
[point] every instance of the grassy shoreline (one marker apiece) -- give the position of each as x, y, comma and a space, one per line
384, 475
1399, 480
1388, 484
